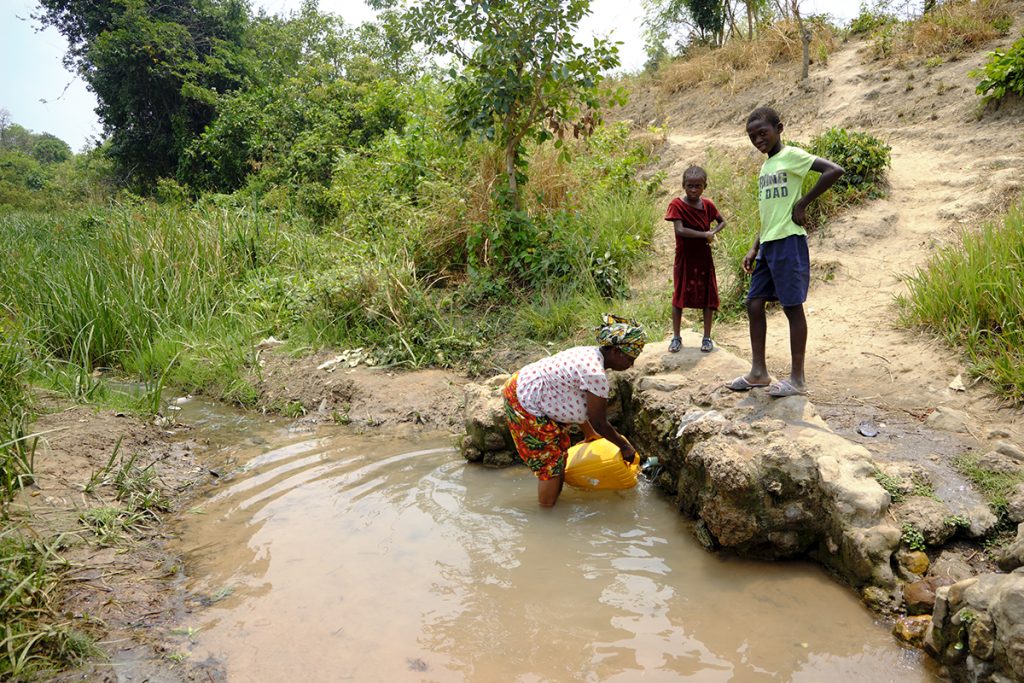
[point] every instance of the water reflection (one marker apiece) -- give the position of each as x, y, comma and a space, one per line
358, 558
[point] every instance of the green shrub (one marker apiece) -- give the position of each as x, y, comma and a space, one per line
1003, 74
912, 537
863, 157
870, 19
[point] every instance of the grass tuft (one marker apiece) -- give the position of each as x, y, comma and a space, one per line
33, 639
971, 294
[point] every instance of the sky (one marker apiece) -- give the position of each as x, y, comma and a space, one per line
43, 96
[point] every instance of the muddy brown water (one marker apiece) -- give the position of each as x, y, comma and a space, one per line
334, 556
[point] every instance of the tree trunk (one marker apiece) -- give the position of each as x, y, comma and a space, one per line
805, 38
750, 20
510, 171
730, 14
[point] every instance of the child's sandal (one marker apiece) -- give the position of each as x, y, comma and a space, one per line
707, 345
675, 345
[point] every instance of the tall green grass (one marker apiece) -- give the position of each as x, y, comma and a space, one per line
972, 295
732, 186
178, 294
16, 447
96, 287
134, 286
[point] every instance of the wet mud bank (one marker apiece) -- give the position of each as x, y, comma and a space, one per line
770, 479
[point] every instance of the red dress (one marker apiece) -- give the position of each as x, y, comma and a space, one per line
693, 276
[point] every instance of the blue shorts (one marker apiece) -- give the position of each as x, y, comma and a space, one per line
782, 272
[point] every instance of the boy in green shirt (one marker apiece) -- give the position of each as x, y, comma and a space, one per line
783, 271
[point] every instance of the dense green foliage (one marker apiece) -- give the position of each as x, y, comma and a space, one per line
872, 18
1002, 74
972, 295
519, 74
321, 90
143, 287
157, 68
864, 158
33, 167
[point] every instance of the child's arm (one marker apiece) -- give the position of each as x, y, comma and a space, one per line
830, 173
690, 232
748, 259
718, 228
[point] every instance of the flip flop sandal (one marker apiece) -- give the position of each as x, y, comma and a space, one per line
783, 388
741, 384
675, 345
707, 345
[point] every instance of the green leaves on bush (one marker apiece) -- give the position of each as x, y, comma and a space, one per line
1002, 74
864, 156
871, 19
912, 537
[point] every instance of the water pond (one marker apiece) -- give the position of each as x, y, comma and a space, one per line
336, 556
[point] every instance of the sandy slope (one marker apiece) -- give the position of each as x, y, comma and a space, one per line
950, 170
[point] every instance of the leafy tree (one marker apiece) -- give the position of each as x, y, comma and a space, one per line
17, 138
50, 149
5, 124
703, 20
44, 147
22, 170
518, 72
156, 67
319, 89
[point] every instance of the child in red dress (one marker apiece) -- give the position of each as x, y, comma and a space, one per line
693, 275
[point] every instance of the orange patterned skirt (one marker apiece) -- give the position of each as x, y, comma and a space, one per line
541, 442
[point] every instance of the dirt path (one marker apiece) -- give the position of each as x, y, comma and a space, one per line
949, 171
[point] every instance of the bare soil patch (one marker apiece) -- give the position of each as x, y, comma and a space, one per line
119, 589
335, 387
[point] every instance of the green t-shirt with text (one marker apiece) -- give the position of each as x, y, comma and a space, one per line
779, 186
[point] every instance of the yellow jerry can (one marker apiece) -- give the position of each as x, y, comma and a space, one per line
598, 465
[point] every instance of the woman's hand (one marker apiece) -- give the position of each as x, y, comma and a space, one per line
629, 454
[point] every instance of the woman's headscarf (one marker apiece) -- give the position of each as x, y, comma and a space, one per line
625, 333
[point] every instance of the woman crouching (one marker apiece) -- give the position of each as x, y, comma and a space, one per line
544, 398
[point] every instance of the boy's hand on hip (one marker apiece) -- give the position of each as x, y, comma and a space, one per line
799, 214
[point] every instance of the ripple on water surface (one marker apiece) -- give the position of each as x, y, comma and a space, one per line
362, 558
